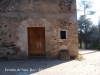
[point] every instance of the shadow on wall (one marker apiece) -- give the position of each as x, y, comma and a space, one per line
29, 66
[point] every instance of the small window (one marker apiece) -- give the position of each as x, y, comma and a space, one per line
63, 34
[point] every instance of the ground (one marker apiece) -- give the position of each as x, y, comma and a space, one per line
90, 65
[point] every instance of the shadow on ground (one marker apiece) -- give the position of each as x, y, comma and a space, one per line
88, 52
29, 66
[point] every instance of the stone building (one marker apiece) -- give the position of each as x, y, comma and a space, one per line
37, 28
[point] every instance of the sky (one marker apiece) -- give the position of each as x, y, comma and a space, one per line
95, 7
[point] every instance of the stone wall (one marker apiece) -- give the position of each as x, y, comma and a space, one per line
54, 15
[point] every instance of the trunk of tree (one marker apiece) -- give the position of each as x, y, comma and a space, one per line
86, 45
80, 41
85, 27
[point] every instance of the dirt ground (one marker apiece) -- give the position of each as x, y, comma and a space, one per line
43, 66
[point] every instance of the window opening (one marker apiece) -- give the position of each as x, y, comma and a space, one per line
62, 34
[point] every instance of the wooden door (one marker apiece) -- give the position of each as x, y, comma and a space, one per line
36, 41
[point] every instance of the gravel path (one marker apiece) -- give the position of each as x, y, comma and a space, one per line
42, 66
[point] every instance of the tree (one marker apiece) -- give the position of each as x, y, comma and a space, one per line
92, 33
81, 29
85, 6
99, 31
93, 37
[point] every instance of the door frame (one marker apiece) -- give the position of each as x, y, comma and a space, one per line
28, 42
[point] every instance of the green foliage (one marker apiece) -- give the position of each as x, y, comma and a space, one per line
84, 22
